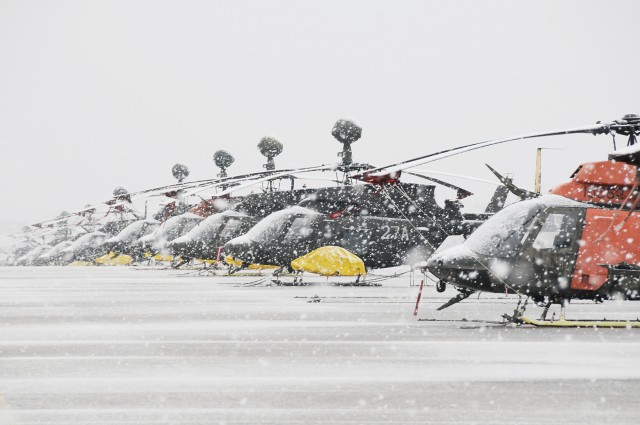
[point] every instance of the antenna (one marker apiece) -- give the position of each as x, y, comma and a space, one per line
270, 147
223, 160
180, 172
120, 191
346, 131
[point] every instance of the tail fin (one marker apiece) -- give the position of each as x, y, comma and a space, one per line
497, 200
508, 186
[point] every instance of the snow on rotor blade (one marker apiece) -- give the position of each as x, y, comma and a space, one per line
147, 193
460, 176
275, 176
200, 183
394, 169
462, 193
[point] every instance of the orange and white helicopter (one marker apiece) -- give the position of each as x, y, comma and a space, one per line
580, 241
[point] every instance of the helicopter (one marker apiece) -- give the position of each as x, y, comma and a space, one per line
383, 225
576, 242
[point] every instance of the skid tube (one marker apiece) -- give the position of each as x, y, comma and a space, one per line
564, 323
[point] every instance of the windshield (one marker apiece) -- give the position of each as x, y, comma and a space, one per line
135, 230
90, 239
207, 227
177, 226
300, 228
231, 228
503, 234
274, 225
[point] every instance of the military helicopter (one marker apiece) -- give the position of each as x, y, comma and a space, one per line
577, 242
383, 225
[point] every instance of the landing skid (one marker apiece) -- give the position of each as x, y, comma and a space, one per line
519, 318
296, 282
564, 323
303, 280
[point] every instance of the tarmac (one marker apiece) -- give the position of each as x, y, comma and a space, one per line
136, 345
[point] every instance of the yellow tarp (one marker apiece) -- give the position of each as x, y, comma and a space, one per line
111, 259
330, 261
201, 260
233, 262
159, 257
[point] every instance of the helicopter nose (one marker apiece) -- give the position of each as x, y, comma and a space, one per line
460, 267
457, 257
239, 249
177, 247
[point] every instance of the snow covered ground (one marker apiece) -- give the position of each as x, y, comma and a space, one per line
133, 346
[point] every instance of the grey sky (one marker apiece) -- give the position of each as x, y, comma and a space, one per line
99, 94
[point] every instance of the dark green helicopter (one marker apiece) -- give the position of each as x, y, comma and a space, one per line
384, 225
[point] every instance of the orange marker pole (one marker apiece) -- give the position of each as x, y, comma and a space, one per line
219, 252
415, 312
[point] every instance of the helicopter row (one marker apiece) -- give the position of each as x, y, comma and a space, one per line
577, 242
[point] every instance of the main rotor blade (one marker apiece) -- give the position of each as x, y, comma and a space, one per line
277, 175
206, 182
393, 170
461, 176
141, 194
462, 193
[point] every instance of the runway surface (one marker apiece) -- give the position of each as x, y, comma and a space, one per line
135, 346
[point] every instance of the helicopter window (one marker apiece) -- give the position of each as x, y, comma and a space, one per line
300, 226
556, 232
503, 234
134, 230
268, 228
176, 228
149, 228
207, 228
274, 225
230, 228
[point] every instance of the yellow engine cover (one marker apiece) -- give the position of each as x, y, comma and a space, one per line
111, 259
159, 257
233, 262
330, 261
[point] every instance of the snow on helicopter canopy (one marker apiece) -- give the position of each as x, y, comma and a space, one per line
55, 253
29, 258
132, 231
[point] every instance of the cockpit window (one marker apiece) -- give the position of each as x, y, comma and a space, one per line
268, 228
207, 227
557, 232
274, 225
230, 228
176, 227
149, 228
300, 227
503, 234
